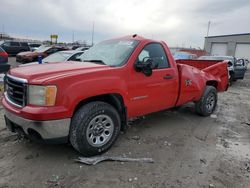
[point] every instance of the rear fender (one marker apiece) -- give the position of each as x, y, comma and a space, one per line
192, 84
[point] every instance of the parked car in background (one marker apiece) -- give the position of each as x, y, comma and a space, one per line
44, 51
62, 56
14, 47
82, 48
240, 68
74, 47
34, 46
4, 66
184, 55
3, 56
236, 71
245, 62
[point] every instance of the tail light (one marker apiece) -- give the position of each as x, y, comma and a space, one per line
3, 54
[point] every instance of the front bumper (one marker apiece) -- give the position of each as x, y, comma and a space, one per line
53, 130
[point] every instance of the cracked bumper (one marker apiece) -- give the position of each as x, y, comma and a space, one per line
53, 130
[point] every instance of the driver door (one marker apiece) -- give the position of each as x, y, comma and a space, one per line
156, 92
239, 69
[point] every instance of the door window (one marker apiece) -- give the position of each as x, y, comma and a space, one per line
24, 44
52, 50
14, 43
74, 57
155, 52
6, 44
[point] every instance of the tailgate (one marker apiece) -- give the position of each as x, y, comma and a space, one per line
199, 64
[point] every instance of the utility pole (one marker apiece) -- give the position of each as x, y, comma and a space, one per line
93, 30
2, 32
73, 36
208, 27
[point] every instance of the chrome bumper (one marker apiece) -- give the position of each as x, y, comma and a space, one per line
53, 129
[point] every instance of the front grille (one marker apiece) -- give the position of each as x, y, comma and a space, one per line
16, 90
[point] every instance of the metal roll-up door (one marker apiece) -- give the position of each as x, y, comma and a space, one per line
219, 49
242, 51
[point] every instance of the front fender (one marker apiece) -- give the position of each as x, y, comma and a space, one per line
78, 91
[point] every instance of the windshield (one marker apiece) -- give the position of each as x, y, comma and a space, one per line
81, 48
112, 52
57, 57
42, 49
34, 45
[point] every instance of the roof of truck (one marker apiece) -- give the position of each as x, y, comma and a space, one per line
133, 37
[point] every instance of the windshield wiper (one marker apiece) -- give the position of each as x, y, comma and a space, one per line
95, 61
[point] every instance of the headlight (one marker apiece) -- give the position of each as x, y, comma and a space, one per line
42, 95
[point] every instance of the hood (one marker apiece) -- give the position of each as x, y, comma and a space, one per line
39, 73
28, 64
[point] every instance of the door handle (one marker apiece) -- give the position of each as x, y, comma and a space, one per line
168, 77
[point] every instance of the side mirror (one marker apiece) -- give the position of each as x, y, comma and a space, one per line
146, 66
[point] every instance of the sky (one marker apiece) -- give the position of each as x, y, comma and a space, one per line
181, 23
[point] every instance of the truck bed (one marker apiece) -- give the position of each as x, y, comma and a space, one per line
214, 69
193, 75
199, 64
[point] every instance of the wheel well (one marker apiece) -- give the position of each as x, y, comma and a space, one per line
113, 99
212, 83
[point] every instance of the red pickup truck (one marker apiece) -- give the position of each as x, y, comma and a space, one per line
88, 103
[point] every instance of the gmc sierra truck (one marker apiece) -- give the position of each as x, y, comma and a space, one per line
88, 102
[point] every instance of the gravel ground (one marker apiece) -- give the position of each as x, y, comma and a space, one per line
188, 150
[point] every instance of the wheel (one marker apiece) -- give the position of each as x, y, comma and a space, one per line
208, 102
94, 128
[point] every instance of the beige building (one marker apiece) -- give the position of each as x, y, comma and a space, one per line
237, 45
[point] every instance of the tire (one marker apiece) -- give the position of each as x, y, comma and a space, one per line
232, 78
94, 128
208, 102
